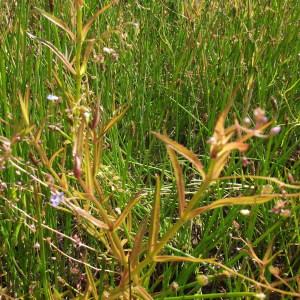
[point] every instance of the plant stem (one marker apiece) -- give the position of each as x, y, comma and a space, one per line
215, 296
78, 54
174, 229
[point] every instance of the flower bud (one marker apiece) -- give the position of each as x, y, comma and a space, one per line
275, 130
202, 280
245, 212
174, 286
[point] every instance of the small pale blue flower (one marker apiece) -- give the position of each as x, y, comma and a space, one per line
52, 97
56, 198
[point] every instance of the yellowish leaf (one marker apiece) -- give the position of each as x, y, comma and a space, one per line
219, 166
141, 293
243, 200
51, 160
86, 56
179, 180
85, 215
121, 112
90, 22
189, 155
169, 258
56, 21
127, 210
233, 146
255, 177
138, 244
59, 55
91, 282
24, 102
155, 218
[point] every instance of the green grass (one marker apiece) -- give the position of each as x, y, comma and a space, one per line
176, 72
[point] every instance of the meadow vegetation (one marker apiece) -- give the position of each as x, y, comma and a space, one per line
149, 149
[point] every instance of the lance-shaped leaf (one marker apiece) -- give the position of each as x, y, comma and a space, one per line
90, 22
24, 105
86, 56
115, 119
56, 153
179, 179
220, 125
138, 245
88, 167
155, 218
56, 21
85, 215
169, 258
233, 146
189, 155
127, 210
244, 200
61, 56
219, 166
256, 177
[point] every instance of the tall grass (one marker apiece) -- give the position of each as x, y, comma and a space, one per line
175, 65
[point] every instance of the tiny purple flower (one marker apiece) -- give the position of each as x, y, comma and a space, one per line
56, 199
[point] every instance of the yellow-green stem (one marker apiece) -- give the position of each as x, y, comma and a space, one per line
78, 54
174, 229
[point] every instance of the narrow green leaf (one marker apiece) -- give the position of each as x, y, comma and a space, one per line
189, 155
56, 21
63, 59
155, 218
179, 180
